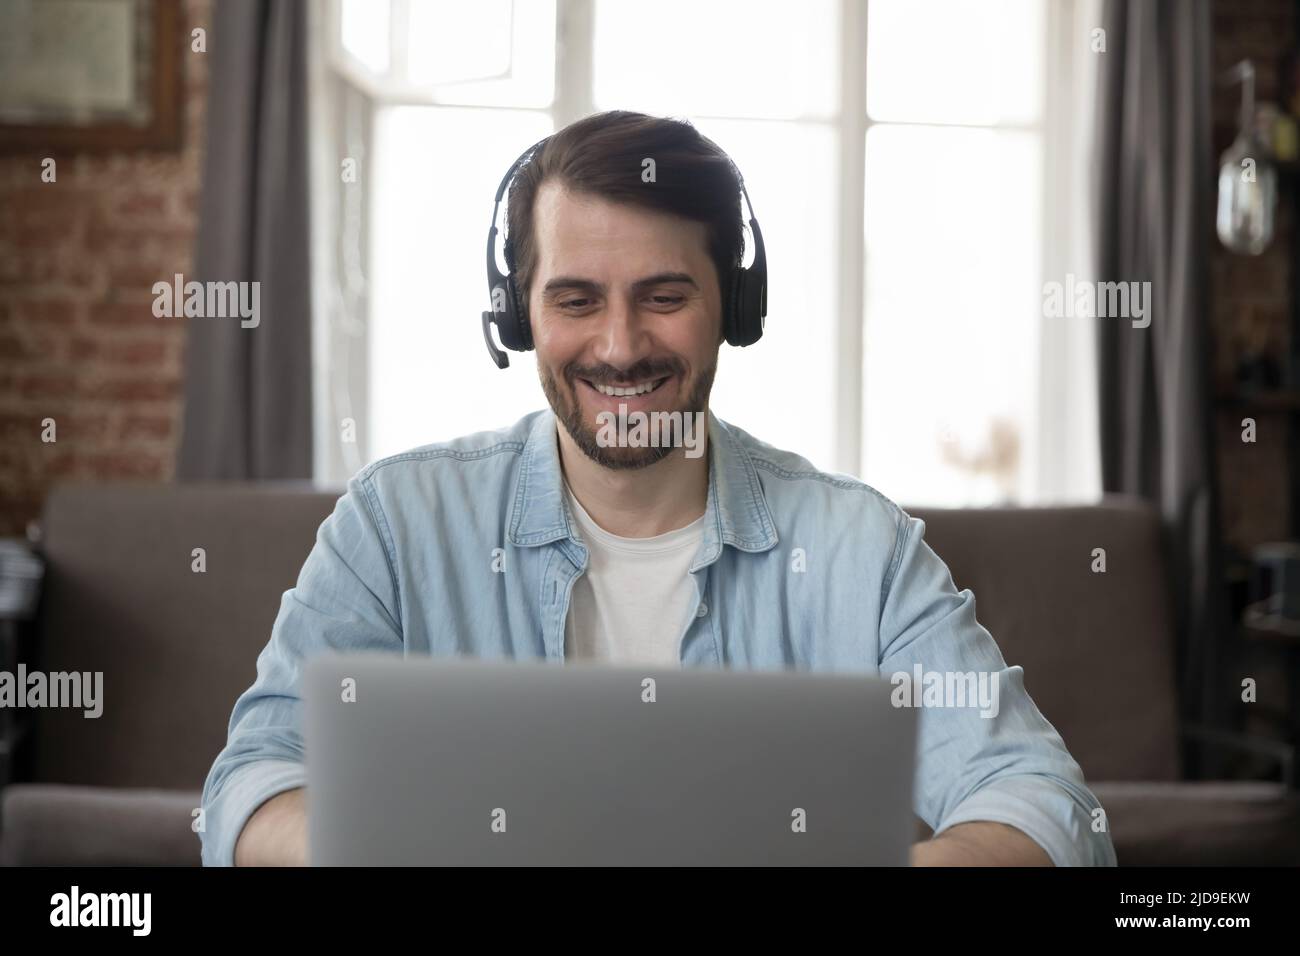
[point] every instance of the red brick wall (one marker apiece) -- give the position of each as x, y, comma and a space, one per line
1252, 294
78, 339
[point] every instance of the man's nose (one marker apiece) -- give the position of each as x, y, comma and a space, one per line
622, 335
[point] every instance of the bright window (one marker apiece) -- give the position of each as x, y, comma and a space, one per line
942, 372
953, 198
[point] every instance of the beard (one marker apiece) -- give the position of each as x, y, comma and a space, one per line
568, 410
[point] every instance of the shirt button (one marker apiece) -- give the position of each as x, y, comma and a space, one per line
702, 610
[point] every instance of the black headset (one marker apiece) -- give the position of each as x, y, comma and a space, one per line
744, 303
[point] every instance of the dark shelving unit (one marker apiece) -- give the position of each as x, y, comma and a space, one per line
1267, 404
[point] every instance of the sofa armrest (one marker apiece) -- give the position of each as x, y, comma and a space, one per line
1216, 823
59, 825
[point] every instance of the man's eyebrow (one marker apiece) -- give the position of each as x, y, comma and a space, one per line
663, 278
588, 285
571, 282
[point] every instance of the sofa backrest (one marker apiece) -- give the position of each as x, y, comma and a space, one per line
176, 646
1096, 648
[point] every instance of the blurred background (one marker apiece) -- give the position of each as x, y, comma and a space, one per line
924, 172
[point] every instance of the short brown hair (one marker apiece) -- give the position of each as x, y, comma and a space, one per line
602, 155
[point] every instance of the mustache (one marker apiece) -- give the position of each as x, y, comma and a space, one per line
608, 375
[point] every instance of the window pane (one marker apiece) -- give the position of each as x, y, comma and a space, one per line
953, 294
497, 53
782, 388
430, 375
451, 41
984, 65
364, 28
722, 58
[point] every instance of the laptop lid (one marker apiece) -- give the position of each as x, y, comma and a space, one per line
425, 761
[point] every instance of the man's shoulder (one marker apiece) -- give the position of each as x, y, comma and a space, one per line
787, 475
500, 446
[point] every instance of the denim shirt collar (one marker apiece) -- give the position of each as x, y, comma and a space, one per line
736, 512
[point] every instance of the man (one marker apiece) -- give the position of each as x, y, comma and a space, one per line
555, 539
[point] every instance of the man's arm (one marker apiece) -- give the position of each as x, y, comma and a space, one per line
345, 600
1002, 767
980, 844
276, 833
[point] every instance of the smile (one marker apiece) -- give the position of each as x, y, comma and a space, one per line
622, 391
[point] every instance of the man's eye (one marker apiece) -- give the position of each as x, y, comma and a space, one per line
575, 304
668, 299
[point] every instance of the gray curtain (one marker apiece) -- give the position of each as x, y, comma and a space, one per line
1155, 192
248, 389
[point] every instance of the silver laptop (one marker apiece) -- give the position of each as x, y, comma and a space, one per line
428, 761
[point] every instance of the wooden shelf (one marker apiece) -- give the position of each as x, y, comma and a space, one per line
1269, 400
1264, 623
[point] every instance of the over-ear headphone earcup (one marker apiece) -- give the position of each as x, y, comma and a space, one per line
731, 310
515, 326
746, 321
523, 329
752, 307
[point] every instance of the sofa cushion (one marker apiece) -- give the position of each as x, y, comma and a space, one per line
56, 825
1097, 648
176, 646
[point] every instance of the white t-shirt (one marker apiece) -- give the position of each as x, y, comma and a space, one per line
631, 606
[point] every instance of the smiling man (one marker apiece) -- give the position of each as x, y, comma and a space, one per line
739, 555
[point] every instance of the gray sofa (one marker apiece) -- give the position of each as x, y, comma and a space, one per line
177, 647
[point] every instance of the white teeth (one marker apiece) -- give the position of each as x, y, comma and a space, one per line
635, 390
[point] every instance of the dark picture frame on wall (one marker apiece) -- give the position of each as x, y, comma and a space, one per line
90, 74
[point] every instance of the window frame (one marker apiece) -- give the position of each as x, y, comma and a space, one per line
851, 123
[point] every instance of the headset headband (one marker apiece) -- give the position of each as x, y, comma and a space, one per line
744, 302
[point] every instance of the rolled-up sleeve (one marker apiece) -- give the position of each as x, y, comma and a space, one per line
978, 763
346, 599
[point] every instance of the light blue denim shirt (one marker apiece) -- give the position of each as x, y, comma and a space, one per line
405, 564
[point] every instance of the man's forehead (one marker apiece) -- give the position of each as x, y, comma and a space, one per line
569, 222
